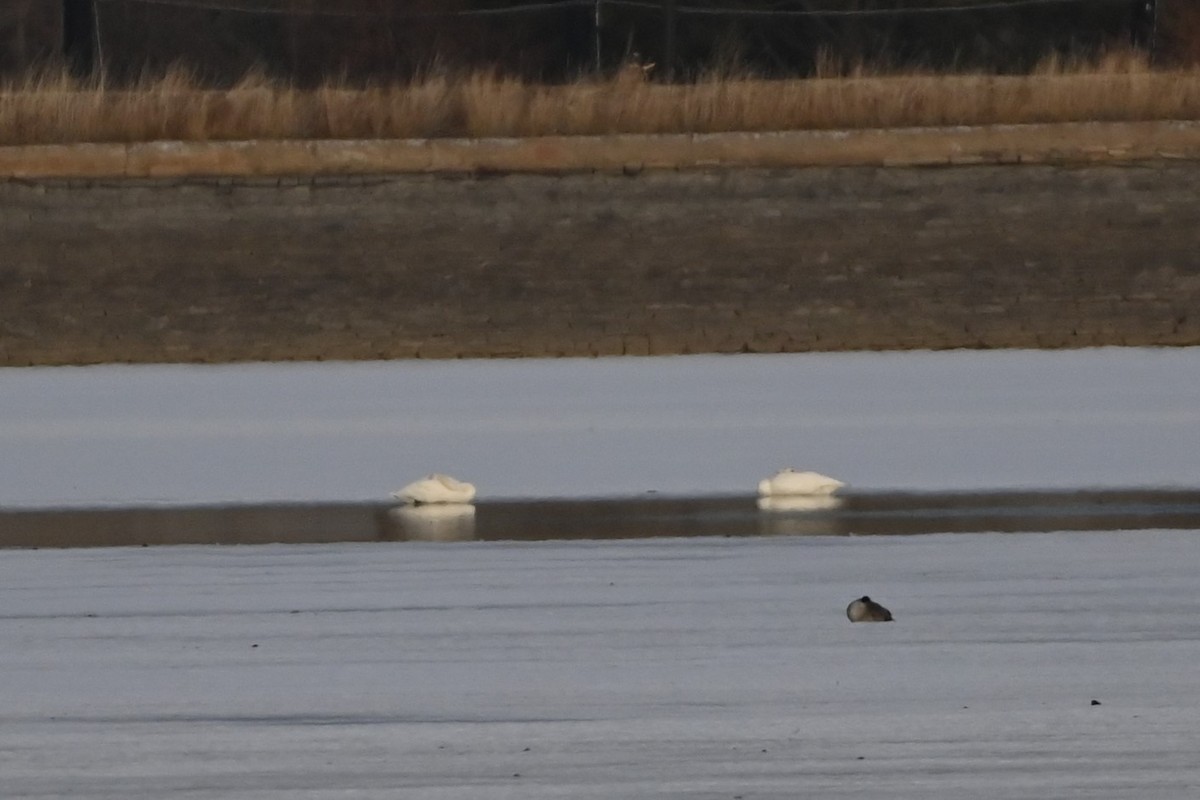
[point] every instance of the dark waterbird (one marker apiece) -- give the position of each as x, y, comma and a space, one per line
864, 609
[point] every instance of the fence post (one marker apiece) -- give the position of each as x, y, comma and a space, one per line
597, 21
79, 36
670, 17
1144, 25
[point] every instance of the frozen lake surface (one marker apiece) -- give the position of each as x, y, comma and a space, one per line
698, 668
940, 421
690, 668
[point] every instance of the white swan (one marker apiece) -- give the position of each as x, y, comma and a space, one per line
436, 488
789, 482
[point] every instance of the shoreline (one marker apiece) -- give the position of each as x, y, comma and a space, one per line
1050, 143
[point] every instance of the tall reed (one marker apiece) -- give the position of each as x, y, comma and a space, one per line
54, 107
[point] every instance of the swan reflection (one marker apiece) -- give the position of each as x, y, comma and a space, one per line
799, 516
446, 522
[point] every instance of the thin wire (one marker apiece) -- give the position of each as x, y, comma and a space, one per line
860, 12
526, 8
243, 8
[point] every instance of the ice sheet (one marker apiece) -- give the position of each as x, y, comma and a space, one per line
701, 668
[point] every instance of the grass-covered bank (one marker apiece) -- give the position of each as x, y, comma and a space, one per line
52, 108
669, 262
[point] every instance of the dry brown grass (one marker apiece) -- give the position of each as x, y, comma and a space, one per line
56, 108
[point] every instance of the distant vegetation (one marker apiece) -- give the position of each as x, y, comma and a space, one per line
309, 42
55, 107
299, 69
557, 40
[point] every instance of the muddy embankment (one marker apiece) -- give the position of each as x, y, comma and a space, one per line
1078, 248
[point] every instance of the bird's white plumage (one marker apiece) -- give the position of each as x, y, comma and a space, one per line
436, 488
799, 502
788, 482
